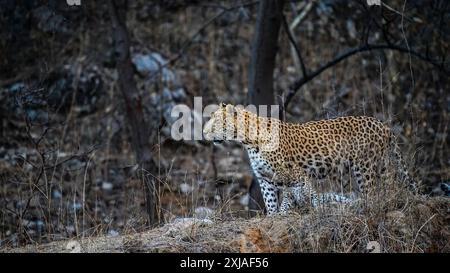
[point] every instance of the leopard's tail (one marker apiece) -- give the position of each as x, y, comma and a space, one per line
401, 169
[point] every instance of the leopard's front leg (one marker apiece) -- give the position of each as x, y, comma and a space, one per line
270, 195
287, 200
294, 194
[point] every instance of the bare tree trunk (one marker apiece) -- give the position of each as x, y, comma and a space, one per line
262, 64
139, 129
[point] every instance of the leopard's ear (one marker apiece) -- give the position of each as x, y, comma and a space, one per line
230, 108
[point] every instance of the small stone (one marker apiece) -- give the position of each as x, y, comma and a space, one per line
351, 29
76, 206
244, 200
27, 223
186, 188
73, 247
185, 226
168, 75
70, 229
179, 95
56, 194
107, 186
113, 233
166, 95
17, 87
149, 63
203, 213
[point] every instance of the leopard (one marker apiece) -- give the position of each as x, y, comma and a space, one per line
291, 161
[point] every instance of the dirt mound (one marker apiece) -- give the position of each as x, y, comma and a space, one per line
410, 224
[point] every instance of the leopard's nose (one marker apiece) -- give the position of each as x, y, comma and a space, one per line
207, 128
207, 131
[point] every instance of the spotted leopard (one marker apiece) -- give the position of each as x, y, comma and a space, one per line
296, 159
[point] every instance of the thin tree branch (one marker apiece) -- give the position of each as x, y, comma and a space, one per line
294, 44
299, 83
191, 39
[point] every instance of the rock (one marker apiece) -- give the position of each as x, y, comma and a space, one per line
190, 221
39, 226
70, 229
56, 93
179, 95
49, 21
27, 223
351, 29
113, 233
186, 188
107, 186
56, 194
149, 64
244, 200
167, 75
445, 187
76, 206
75, 164
61, 88
17, 87
373, 247
203, 213
165, 103
73, 247
185, 227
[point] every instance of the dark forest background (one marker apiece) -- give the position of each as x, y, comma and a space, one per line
86, 93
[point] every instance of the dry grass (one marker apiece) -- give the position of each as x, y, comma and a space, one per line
398, 221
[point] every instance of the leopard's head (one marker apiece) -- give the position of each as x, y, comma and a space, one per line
222, 125
235, 123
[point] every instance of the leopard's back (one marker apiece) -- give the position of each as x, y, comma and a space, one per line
325, 148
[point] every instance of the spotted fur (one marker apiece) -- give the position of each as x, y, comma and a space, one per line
292, 157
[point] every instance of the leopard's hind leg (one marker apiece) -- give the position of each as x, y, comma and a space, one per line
332, 197
298, 196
